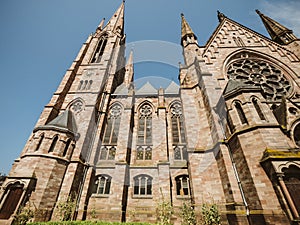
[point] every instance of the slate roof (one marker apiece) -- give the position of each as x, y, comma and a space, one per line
64, 122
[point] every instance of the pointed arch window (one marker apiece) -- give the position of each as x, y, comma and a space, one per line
110, 139
178, 134
142, 185
241, 113
113, 125
102, 185
41, 138
99, 50
177, 124
66, 147
53, 144
182, 185
258, 109
238, 41
144, 135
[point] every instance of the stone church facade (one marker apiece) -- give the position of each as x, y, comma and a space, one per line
229, 133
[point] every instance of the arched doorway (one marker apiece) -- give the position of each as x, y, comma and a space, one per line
292, 183
12, 196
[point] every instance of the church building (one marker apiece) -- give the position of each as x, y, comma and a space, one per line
228, 133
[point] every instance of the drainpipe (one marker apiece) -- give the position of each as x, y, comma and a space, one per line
236, 174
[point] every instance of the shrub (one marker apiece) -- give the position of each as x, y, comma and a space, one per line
188, 216
210, 214
24, 214
164, 211
65, 209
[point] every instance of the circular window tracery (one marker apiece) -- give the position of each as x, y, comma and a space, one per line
146, 110
115, 111
260, 73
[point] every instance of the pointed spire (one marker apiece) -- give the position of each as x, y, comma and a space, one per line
278, 32
101, 24
129, 70
116, 22
221, 16
186, 31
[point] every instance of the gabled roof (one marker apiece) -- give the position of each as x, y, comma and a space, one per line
173, 88
223, 19
147, 89
121, 90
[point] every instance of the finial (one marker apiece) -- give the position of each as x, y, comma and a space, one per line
101, 25
258, 12
221, 16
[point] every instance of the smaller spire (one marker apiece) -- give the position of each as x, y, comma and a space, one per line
221, 16
129, 70
278, 32
186, 30
101, 24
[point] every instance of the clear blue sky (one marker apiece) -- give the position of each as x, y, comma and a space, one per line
39, 40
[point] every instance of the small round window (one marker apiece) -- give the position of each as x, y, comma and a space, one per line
297, 134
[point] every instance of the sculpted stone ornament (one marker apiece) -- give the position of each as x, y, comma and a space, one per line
115, 111
176, 109
272, 81
146, 110
77, 106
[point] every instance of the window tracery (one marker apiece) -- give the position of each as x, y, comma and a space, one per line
144, 135
178, 133
110, 138
142, 185
102, 185
269, 78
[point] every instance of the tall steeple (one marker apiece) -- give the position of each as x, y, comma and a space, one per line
116, 22
278, 32
187, 34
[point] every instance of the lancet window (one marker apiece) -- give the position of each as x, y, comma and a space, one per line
178, 134
144, 135
110, 139
99, 50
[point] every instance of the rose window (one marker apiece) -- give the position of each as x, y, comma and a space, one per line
262, 74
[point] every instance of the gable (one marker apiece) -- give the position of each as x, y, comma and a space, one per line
232, 34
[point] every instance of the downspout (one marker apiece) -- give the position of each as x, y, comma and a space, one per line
236, 173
